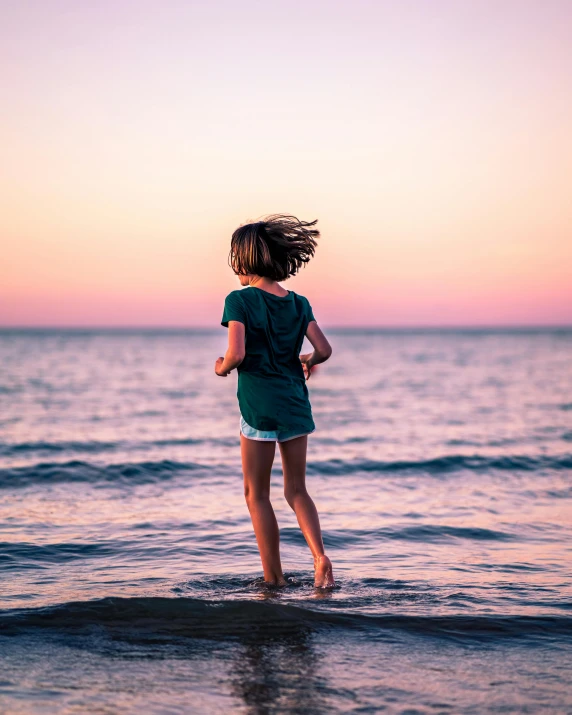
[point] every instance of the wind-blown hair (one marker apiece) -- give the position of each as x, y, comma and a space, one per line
275, 247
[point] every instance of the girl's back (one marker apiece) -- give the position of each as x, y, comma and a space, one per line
272, 390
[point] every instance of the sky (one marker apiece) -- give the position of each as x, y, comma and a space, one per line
430, 138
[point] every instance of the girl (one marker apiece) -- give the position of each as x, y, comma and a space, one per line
266, 327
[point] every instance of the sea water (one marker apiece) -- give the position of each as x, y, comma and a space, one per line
130, 578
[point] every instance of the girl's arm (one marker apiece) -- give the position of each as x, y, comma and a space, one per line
236, 349
322, 348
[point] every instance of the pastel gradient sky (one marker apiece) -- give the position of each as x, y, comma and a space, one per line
431, 138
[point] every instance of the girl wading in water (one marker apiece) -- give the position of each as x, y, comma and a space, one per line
266, 327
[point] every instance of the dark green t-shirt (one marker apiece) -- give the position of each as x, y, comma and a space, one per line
272, 392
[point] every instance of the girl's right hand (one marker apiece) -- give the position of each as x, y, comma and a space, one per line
218, 365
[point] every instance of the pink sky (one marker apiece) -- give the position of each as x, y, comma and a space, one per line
430, 138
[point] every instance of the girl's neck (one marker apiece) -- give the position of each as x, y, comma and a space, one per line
268, 285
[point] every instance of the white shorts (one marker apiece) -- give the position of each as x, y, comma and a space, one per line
268, 435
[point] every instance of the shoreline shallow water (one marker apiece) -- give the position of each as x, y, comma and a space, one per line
130, 577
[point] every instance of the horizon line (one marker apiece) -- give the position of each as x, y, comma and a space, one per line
356, 328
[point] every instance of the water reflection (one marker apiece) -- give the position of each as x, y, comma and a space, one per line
279, 673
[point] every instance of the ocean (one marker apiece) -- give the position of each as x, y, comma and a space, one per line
130, 579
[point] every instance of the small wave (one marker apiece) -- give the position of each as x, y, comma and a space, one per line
78, 471
342, 441
563, 493
436, 533
482, 443
446, 464
27, 555
425, 533
94, 447
10, 389
14, 450
179, 394
142, 619
147, 472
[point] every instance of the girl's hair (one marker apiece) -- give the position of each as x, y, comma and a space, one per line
275, 247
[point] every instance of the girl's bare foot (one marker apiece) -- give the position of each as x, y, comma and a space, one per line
324, 576
276, 583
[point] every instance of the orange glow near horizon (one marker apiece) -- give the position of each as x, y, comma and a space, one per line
432, 142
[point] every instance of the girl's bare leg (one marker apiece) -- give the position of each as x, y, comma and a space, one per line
257, 458
294, 466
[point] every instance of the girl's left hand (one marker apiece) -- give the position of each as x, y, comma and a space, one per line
306, 361
217, 367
